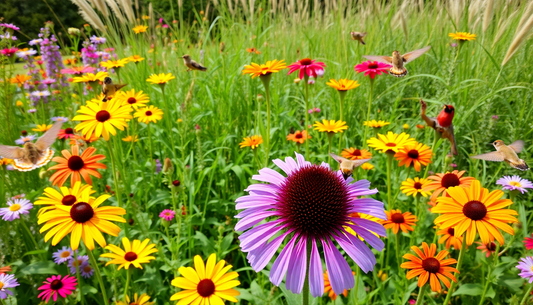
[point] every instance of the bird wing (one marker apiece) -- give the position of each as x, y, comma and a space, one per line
517, 146
47, 139
449, 134
338, 158
409, 57
379, 58
11, 152
197, 65
492, 156
120, 86
357, 163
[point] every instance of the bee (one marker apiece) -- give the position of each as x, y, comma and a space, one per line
347, 166
110, 89
191, 64
32, 155
398, 61
358, 36
507, 153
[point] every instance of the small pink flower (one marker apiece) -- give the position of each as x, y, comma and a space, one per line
160, 20
9, 51
453, 165
167, 215
489, 248
311, 82
495, 117
528, 242
311, 111
197, 127
372, 68
309, 67
55, 285
317, 110
412, 301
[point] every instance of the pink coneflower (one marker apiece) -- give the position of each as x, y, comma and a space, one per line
9, 26
311, 204
489, 248
167, 215
308, 67
528, 242
56, 285
526, 266
48, 81
67, 133
78, 70
372, 68
412, 302
9, 51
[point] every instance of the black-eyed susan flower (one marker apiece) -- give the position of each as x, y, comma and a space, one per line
140, 29
299, 137
135, 253
271, 66
356, 154
415, 187
252, 142
42, 128
86, 220
135, 99
208, 283
330, 126
448, 236
65, 196
442, 181
397, 220
416, 154
367, 166
390, 143
462, 36
150, 114
136, 58
90, 78
376, 124
130, 139
143, 299
76, 165
160, 79
474, 210
114, 64
343, 84
430, 267
101, 118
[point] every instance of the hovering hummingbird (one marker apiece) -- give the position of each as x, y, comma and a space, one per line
191, 64
109, 89
507, 153
33, 155
398, 61
347, 166
358, 36
435, 123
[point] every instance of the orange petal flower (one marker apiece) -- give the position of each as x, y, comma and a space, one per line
443, 181
77, 165
396, 221
418, 154
298, 137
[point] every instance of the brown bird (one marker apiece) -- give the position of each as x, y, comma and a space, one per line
445, 132
507, 153
222, 47
191, 64
110, 89
398, 61
33, 155
358, 36
347, 166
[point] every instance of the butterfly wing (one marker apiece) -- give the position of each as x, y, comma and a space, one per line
409, 57
47, 139
378, 58
492, 156
338, 158
11, 152
517, 146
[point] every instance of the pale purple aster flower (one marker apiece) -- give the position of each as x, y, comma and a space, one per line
9, 26
158, 166
8, 36
63, 255
526, 266
10, 167
311, 81
97, 40
39, 94
59, 119
87, 271
48, 81
35, 42
15, 208
24, 139
82, 260
23, 54
7, 281
311, 204
32, 110
320, 72
167, 215
453, 44
515, 183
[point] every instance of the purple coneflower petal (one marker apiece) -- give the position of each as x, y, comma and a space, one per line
284, 166
290, 162
358, 251
338, 268
258, 237
260, 257
316, 278
370, 225
279, 268
269, 175
249, 221
297, 267
267, 188
369, 237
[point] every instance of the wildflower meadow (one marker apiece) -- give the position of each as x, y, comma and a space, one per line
278, 152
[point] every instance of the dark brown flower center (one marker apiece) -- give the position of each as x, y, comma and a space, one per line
390, 144
130, 256
69, 131
132, 100
314, 201
68, 200
81, 212
298, 135
418, 185
373, 65
75, 163
491, 246
206, 288
87, 268
103, 115
176, 183
397, 218
413, 154
431, 264
56, 285
451, 231
148, 113
475, 210
450, 180
24, 133
306, 61
357, 153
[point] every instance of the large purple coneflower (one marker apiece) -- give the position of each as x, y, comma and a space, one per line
311, 206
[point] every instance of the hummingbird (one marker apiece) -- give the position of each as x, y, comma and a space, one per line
358, 36
507, 153
109, 89
445, 131
398, 61
33, 155
347, 166
191, 64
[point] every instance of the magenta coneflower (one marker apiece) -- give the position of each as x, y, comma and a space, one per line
56, 285
528, 242
372, 68
311, 206
308, 67
9, 51
167, 215
78, 70
9, 26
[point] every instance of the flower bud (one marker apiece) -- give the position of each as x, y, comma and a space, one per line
74, 32
260, 98
168, 167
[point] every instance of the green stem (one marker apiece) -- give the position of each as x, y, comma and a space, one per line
98, 276
306, 84
435, 139
80, 285
389, 193
420, 298
305, 291
417, 211
487, 282
356, 291
128, 277
342, 94
398, 251
169, 120
330, 139
459, 262
528, 293
368, 111
31, 236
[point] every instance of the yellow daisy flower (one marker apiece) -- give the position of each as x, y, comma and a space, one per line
390, 143
137, 300
140, 29
136, 58
375, 124
462, 36
331, 126
149, 114
130, 138
271, 66
132, 98
42, 128
343, 84
160, 79
252, 142
206, 284
65, 196
367, 166
113, 64
101, 118
135, 253
415, 187
90, 77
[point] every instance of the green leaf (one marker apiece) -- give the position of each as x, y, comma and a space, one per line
88, 289
35, 252
39, 268
469, 289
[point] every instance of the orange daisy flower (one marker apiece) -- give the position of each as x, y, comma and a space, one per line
418, 154
253, 50
488, 248
448, 236
397, 220
298, 137
356, 154
329, 290
430, 267
77, 165
441, 183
